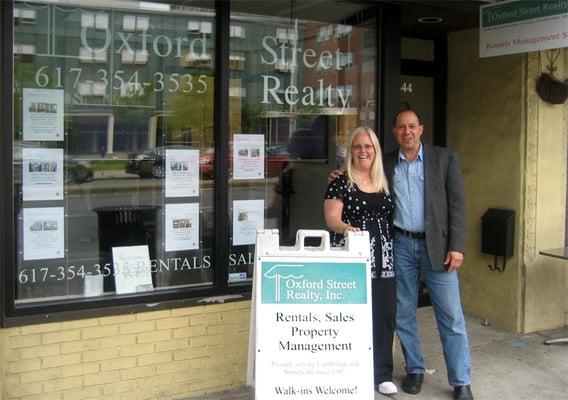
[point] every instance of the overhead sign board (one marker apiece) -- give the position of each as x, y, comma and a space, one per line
312, 318
511, 27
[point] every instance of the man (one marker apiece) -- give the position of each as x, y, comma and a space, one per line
429, 240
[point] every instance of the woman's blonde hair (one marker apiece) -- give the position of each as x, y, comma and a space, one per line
378, 177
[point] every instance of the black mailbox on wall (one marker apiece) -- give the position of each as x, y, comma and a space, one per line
498, 233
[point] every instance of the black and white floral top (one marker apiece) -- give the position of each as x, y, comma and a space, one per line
371, 212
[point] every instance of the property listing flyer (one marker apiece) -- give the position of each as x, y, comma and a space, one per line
248, 217
248, 157
182, 173
182, 226
43, 233
42, 174
43, 114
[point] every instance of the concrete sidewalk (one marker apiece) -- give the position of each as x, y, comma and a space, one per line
506, 366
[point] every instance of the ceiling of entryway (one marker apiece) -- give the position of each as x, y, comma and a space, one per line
456, 15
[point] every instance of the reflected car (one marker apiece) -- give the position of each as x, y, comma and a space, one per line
279, 149
75, 170
151, 163
277, 158
207, 162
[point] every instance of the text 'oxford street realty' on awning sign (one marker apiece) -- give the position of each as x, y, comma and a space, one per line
311, 319
511, 27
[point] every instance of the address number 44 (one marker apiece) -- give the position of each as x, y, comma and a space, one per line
406, 87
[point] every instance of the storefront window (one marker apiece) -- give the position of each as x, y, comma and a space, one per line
113, 147
114, 131
302, 78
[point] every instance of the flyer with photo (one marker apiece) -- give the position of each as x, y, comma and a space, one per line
43, 233
182, 226
43, 111
248, 157
248, 217
42, 174
182, 173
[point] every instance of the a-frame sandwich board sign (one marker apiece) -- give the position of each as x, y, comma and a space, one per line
311, 319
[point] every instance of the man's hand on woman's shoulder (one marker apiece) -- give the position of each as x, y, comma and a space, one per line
334, 174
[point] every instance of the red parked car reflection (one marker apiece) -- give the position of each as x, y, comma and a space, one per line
150, 163
277, 158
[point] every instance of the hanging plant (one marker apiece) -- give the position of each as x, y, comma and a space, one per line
548, 87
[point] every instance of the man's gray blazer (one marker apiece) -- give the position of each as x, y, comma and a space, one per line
444, 197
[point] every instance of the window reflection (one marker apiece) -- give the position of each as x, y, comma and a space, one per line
119, 99
298, 87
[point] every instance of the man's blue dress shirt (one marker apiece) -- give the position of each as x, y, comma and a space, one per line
409, 192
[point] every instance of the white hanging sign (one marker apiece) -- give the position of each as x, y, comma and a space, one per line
510, 27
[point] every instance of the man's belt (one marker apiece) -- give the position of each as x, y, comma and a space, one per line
412, 235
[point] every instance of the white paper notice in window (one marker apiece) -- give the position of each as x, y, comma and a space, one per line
43, 233
248, 157
248, 217
42, 174
182, 226
182, 173
132, 269
43, 114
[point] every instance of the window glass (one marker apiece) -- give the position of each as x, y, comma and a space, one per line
302, 77
113, 147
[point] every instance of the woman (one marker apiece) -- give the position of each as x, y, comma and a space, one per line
359, 200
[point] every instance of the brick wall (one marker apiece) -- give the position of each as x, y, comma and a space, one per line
166, 354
